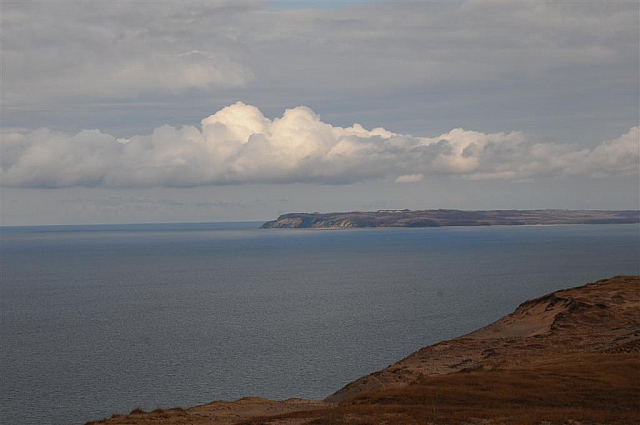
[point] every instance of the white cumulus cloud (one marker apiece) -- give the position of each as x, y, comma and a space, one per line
238, 144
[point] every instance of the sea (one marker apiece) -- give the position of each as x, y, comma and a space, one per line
100, 319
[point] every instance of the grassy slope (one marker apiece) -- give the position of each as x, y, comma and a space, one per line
601, 388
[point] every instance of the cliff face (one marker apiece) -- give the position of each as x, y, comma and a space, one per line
572, 356
436, 218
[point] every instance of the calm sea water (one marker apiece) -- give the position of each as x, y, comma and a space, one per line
101, 319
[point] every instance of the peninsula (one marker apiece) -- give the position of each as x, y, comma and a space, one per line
569, 357
438, 218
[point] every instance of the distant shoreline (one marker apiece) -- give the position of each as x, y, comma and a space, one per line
448, 218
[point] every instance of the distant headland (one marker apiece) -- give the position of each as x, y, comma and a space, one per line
439, 218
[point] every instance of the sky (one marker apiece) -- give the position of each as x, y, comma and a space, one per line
183, 111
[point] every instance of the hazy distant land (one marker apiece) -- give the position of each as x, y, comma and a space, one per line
438, 218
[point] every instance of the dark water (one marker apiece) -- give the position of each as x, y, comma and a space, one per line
101, 319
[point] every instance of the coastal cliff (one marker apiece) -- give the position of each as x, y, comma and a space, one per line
438, 218
572, 356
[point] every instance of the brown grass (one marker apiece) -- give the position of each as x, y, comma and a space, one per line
600, 388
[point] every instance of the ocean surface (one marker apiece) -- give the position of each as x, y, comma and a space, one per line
103, 319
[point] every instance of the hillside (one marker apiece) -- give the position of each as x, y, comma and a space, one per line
572, 355
437, 218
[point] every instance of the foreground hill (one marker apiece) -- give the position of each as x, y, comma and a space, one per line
437, 218
572, 356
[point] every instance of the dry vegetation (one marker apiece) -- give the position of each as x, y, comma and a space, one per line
572, 356
587, 388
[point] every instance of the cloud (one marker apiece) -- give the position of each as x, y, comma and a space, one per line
239, 145
96, 50
409, 178
91, 50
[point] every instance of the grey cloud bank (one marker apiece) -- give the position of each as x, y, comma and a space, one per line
238, 145
409, 66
